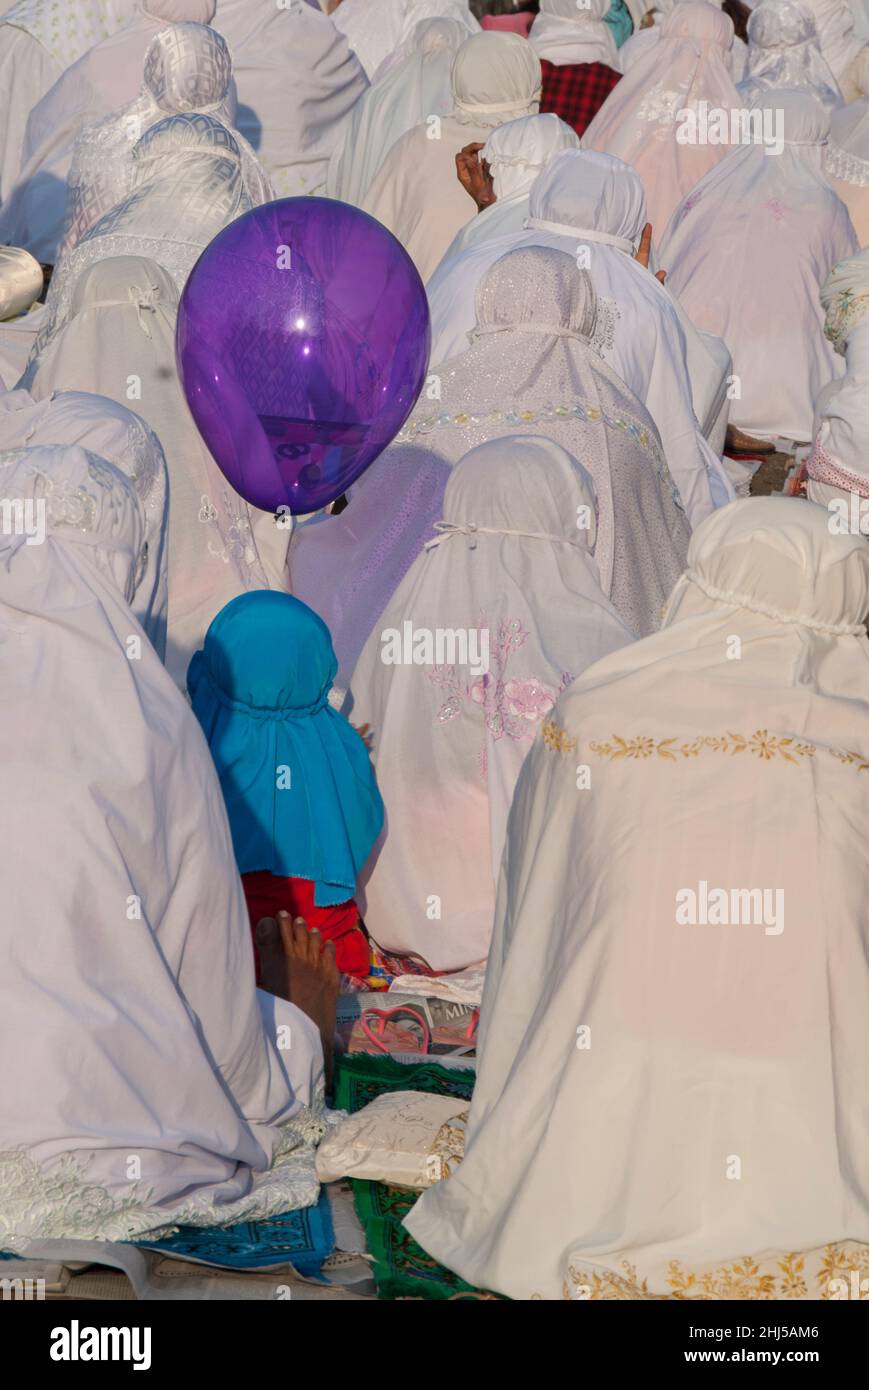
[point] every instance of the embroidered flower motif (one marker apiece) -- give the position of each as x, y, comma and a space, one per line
528, 699
692, 200
777, 209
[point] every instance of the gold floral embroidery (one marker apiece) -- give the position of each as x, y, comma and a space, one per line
761, 744
556, 738
746, 1280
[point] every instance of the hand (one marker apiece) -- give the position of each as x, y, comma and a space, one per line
364, 732
644, 251
475, 177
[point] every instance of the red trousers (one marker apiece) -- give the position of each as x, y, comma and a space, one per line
268, 895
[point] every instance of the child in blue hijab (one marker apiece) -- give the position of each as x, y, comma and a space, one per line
300, 792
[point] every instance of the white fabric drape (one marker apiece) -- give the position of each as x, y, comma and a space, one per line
530, 368
39, 39
640, 118
846, 159
644, 1084
297, 84
119, 340
111, 431
417, 194
516, 153
642, 40
375, 30
411, 90
448, 740
840, 456
784, 51
766, 307
136, 957
641, 330
564, 32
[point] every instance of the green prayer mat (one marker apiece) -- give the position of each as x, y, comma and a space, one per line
402, 1269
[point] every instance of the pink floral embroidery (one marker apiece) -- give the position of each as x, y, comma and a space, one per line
777, 209
512, 708
691, 201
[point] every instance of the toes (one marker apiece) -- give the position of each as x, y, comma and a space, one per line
315, 946
330, 962
286, 927
300, 936
272, 959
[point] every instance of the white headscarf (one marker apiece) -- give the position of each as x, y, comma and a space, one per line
569, 32
105, 428
188, 183
766, 307
417, 86
187, 69
417, 194
512, 562
516, 153
640, 118
592, 201
641, 40
627, 1058
846, 159
840, 45
297, 85
21, 281
375, 32
121, 330
840, 457
784, 51
137, 956
530, 369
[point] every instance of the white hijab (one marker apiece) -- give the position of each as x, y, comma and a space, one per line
119, 340
511, 561
137, 957
516, 153
846, 159
631, 1066
112, 432
767, 306
106, 77
641, 40
640, 118
784, 51
417, 194
187, 69
297, 84
530, 369
416, 87
593, 203
374, 29
188, 183
566, 32
840, 456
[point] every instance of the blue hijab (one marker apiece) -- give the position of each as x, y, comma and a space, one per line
619, 21
297, 780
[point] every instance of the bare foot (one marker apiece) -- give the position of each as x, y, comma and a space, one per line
296, 965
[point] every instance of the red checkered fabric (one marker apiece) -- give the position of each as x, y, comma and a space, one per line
576, 91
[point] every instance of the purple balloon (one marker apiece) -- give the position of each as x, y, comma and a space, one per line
302, 344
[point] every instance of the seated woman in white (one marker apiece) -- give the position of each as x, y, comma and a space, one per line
158, 1087
676, 1012
502, 611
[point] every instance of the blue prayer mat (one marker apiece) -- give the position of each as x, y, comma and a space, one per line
301, 1238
